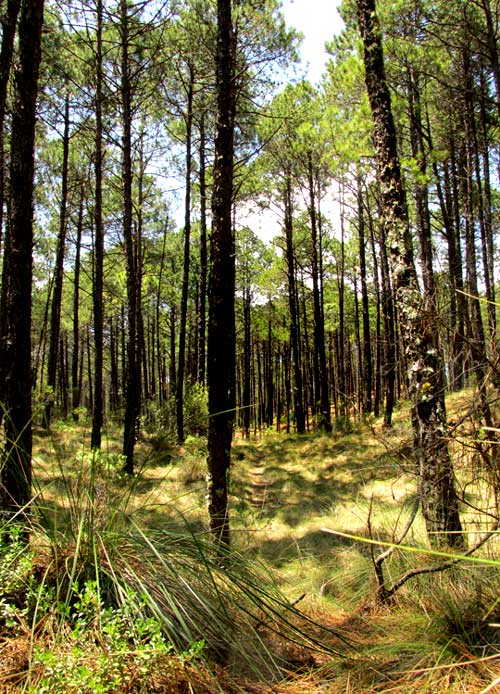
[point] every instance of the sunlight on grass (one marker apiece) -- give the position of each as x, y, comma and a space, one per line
284, 491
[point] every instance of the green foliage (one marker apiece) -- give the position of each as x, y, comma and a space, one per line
16, 580
120, 631
161, 420
196, 410
79, 614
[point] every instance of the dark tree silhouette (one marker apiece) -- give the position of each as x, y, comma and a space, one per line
15, 489
221, 316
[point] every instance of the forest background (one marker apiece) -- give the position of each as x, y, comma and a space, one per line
121, 314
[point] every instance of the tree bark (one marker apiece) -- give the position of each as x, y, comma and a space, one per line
16, 473
181, 354
367, 369
221, 320
320, 373
425, 370
448, 202
202, 305
159, 354
247, 346
9, 21
75, 382
55, 313
390, 344
421, 193
97, 289
133, 372
298, 391
477, 337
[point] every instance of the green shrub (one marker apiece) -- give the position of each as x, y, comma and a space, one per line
161, 421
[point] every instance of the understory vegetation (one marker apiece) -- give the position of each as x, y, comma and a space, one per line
120, 590
200, 247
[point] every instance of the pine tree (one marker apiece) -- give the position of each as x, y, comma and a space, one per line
16, 474
425, 369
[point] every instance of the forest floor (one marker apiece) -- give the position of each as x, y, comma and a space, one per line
303, 507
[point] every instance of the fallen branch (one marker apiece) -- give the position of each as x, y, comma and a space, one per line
383, 593
454, 558
389, 592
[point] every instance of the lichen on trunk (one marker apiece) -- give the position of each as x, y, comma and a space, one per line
417, 316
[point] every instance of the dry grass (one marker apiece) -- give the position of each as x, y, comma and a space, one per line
285, 490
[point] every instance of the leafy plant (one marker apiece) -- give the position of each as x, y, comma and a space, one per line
161, 420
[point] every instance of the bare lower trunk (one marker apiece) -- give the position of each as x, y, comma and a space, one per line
221, 320
15, 488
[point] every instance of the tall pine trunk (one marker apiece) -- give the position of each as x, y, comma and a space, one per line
202, 304
9, 21
16, 473
133, 372
478, 342
75, 382
366, 359
298, 391
320, 372
221, 318
55, 312
426, 384
247, 348
97, 290
185, 272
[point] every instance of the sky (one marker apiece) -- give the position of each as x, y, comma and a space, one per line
319, 21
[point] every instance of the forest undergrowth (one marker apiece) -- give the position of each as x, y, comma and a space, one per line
120, 590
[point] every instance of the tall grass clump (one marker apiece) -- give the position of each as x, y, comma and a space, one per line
104, 604
467, 605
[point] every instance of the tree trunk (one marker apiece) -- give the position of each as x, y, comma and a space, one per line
185, 272
55, 314
161, 374
426, 384
390, 345
447, 195
492, 44
298, 393
97, 290
341, 362
270, 371
421, 192
247, 346
202, 305
15, 489
172, 369
221, 321
75, 383
488, 236
133, 374
367, 371
321, 380
114, 379
478, 343
378, 325
9, 21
